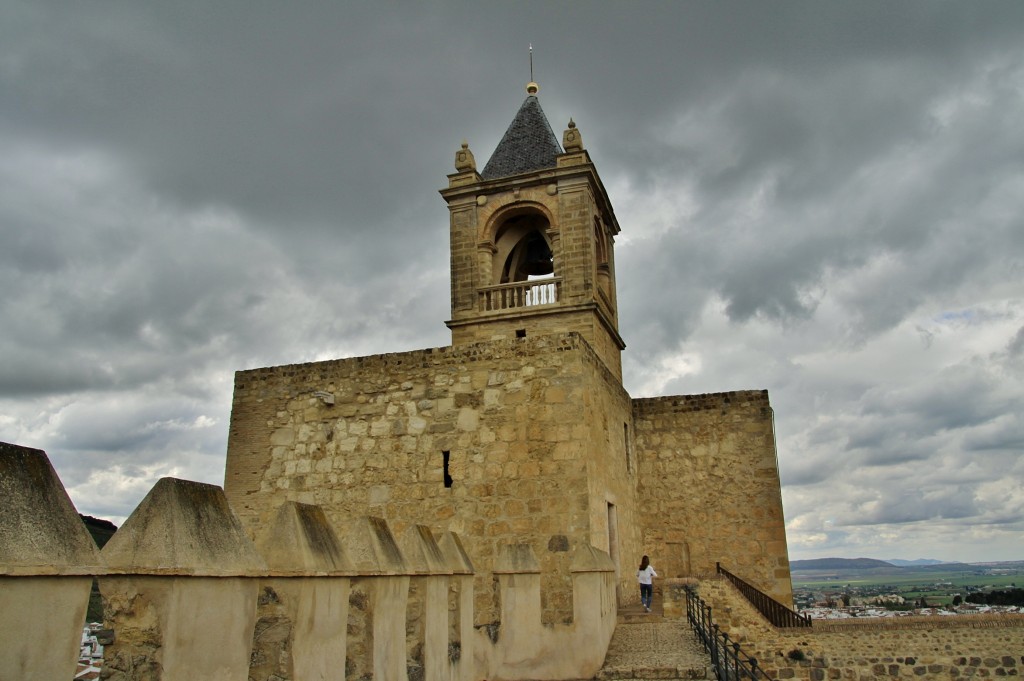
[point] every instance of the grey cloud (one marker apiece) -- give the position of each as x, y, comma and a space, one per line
808, 471
191, 189
1016, 345
1007, 433
956, 397
914, 505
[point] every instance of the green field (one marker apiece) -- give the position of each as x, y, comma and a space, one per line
937, 584
911, 578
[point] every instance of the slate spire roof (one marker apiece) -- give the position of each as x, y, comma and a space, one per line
529, 143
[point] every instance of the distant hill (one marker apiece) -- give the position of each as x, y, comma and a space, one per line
101, 530
938, 567
914, 563
838, 564
877, 566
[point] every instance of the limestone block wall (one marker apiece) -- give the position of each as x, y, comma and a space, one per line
508, 417
964, 646
710, 490
582, 321
577, 208
616, 521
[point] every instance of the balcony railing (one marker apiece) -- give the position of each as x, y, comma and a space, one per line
775, 612
729, 661
520, 294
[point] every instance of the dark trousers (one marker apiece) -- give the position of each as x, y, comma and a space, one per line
646, 592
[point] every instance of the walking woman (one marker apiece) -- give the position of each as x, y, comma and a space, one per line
645, 575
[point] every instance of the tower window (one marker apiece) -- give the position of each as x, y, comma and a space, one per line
520, 333
446, 456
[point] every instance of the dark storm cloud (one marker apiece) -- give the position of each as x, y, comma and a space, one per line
914, 505
821, 200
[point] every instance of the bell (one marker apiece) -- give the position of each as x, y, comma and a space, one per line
538, 258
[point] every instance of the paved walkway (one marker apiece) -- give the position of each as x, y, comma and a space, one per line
649, 646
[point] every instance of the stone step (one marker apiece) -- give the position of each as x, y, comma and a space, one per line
652, 673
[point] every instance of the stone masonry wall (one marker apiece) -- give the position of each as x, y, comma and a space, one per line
583, 322
710, 487
512, 416
962, 646
613, 475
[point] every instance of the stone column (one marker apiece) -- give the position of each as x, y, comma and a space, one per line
594, 606
431, 573
518, 574
181, 588
462, 664
47, 557
305, 600
384, 577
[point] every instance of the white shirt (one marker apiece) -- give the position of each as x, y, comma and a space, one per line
644, 576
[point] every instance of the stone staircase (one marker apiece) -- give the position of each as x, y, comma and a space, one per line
650, 646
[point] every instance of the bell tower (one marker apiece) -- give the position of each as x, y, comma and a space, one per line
532, 240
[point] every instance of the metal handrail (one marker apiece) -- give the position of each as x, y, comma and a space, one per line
775, 612
728, 660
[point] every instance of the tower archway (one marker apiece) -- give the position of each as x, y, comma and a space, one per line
521, 246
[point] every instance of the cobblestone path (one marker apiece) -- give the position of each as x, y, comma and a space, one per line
648, 646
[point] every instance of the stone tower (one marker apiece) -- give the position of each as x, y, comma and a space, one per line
532, 240
520, 434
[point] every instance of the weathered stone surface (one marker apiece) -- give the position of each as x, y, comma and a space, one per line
183, 527
662, 649
710, 488
40, 531
45, 553
520, 477
301, 539
904, 647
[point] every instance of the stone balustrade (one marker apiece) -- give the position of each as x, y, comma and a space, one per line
189, 595
520, 294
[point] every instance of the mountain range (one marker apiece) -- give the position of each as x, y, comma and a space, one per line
926, 564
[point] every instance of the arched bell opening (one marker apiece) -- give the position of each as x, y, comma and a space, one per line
522, 251
602, 264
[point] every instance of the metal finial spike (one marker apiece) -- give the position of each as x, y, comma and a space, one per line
531, 87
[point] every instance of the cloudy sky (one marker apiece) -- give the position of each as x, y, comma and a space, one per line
822, 199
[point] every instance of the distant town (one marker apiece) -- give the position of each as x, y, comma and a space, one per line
839, 588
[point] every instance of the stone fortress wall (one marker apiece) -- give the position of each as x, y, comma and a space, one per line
963, 646
543, 447
516, 419
710, 489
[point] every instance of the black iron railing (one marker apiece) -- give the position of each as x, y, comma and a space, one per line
728, 660
775, 612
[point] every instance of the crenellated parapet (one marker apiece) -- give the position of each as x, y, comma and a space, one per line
189, 595
47, 560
